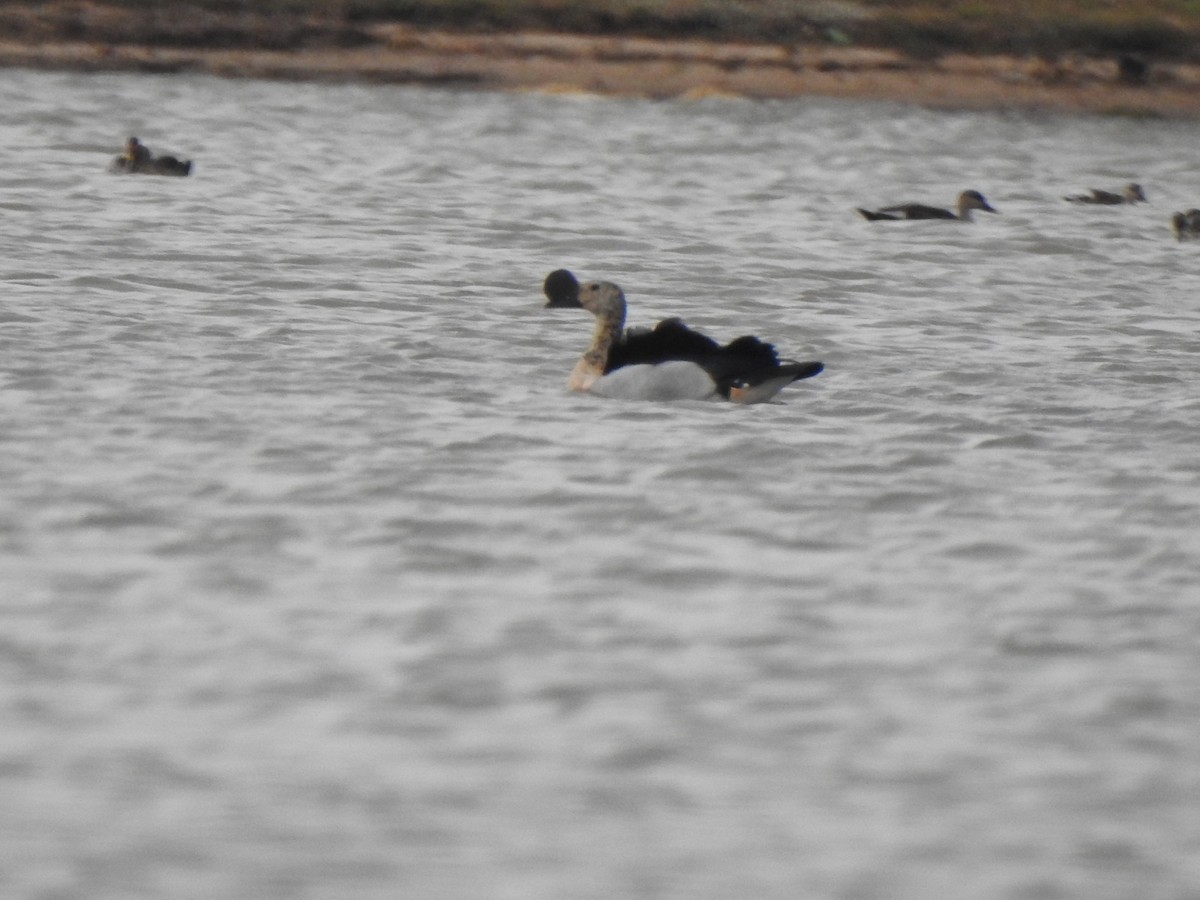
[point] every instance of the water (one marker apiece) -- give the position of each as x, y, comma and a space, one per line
316, 582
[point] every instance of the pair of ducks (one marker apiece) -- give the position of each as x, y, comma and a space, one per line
137, 159
669, 361
1186, 225
971, 200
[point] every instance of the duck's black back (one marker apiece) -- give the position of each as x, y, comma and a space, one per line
671, 339
919, 211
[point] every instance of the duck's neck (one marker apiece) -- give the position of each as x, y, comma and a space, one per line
610, 319
964, 212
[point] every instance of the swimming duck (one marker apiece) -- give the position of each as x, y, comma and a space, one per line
138, 159
967, 201
1131, 193
670, 361
1186, 224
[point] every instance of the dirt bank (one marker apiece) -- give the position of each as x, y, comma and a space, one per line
99, 38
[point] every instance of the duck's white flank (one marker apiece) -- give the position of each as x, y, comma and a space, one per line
673, 380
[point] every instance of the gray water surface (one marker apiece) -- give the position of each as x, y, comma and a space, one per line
316, 582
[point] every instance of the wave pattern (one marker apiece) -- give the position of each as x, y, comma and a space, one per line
317, 581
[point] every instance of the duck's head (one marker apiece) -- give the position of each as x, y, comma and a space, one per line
974, 200
131, 147
561, 289
602, 299
1134, 193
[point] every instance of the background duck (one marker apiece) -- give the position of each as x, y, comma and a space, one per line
967, 201
1131, 193
1186, 224
137, 159
670, 361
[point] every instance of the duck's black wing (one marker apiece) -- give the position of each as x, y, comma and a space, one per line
1103, 198
172, 165
747, 361
920, 211
906, 211
670, 339
877, 215
741, 357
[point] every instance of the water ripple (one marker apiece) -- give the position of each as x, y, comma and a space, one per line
317, 580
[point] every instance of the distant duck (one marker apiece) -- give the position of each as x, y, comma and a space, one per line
967, 201
1186, 225
1131, 193
137, 159
670, 361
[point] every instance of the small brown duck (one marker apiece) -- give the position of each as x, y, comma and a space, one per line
967, 201
1186, 225
1131, 193
137, 159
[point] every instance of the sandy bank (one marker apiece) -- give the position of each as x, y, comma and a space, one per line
657, 69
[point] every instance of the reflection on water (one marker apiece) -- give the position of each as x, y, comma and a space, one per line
317, 581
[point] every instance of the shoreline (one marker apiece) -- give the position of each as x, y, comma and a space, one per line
658, 69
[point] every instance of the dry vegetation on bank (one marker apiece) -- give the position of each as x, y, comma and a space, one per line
1097, 55
1161, 29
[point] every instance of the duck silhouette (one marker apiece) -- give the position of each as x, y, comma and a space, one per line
967, 201
1186, 225
138, 160
1131, 193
